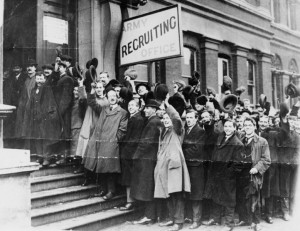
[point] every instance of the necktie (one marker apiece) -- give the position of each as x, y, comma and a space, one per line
246, 141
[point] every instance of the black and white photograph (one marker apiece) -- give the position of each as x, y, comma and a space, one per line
149, 115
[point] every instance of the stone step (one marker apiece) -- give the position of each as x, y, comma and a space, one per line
70, 168
63, 211
61, 195
95, 221
56, 181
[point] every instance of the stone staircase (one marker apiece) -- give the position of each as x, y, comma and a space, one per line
59, 202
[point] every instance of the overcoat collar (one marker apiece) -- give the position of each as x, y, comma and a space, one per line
113, 112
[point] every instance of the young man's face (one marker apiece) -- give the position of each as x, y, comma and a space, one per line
133, 107
99, 89
149, 111
17, 70
40, 80
175, 87
191, 119
166, 120
249, 127
142, 90
75, 92
205, 117
118, 89
62, 69
240, 122
229, 128
263, 123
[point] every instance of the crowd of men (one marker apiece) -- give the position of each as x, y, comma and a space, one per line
209, 158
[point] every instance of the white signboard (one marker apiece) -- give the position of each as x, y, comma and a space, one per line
55, 30
152, 36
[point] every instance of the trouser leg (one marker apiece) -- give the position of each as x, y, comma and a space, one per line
269, 206
197, 210
285, 205
215, 212
229, 213
129, 198
176, 207
111, 182
150, 209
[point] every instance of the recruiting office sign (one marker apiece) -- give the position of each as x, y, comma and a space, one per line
153, 36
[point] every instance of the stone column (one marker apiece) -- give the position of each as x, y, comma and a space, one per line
209, 49
264, 80
239, 69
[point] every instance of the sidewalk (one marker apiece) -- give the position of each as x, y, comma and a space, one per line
278, 225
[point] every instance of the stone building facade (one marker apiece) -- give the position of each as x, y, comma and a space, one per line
256, 42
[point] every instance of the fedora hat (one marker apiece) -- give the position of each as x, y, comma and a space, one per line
160, 91
228, 103
132, 73
283, 109
93, 61
180, 84
210, 90
77, 71
187, 92
240, 90
126, 94
202, 100
31, 62
292, 90
152, 103
92, 73
262, 100
178, 103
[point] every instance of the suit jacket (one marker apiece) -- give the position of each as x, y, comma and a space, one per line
193, 146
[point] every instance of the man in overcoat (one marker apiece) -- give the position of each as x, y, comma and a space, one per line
103, 146
144, 162
194, 153
255, 161
24, 99
128, 147
221, 182
63, 94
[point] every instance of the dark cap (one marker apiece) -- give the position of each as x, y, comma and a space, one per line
62, 64
152, 103
48, 66
66, 58
142, 84
31, 62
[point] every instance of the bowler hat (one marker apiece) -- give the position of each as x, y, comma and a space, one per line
187, 92
240, 90
126, 94
142, 84
212, 91
77, 72
202, 100
48, 66
178, 103
31, 62
93, 61
160, 92
228, 103
180, 84
132, 73
152, 103
262, 100
283, 109
292, 90
114, 83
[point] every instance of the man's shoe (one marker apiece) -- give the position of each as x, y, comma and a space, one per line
166, 223
210, 222
143, 221
86, 182
227, 228
176, 227
195, 225
286, 217
128, 206
108, 196
257, 227
61, 162
269, 220
188, 220
100, 194
241, 223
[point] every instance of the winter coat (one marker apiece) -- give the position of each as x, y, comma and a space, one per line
129, 145
102, 152
171, 173
194, 153
90, 119
144, 161
221, 182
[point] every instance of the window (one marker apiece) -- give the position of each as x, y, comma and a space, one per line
276, 10
223, 70
188, 62
291, 14
251, 81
